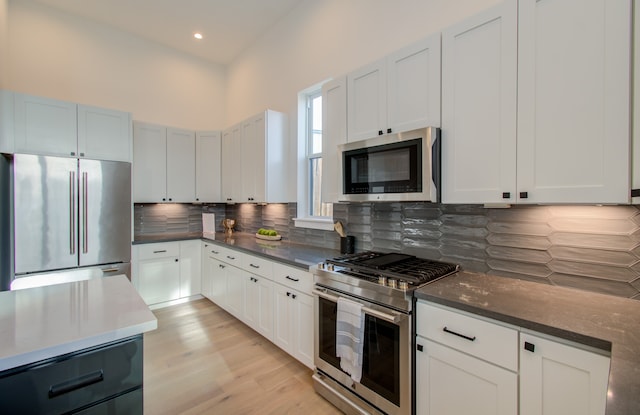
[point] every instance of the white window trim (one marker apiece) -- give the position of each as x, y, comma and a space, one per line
304, 220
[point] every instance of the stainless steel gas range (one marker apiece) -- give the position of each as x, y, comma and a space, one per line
383, 283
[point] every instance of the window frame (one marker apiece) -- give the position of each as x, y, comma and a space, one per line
305, 146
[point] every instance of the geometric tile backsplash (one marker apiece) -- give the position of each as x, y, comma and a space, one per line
595, 248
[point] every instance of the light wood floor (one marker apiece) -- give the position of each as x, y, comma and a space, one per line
201, 360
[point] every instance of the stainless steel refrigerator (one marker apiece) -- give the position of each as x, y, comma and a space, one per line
71, 219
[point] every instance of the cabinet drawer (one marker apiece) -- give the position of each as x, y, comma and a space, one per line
160, 250
488, 341
295, 278
257, 265
72, 381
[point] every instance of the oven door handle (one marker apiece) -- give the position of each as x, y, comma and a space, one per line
394, 318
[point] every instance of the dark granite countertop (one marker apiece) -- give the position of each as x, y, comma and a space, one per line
298, 255
601, 321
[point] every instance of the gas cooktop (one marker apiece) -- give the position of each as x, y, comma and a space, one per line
385, 278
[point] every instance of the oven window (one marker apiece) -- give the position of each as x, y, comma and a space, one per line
381, 356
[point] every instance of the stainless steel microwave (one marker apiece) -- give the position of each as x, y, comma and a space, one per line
394, 167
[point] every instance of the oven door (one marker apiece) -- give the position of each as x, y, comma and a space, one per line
386, 365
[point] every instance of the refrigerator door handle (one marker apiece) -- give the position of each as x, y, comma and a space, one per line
85, 222
72, 212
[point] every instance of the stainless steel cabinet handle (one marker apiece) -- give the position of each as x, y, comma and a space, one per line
75, 384
292, 279
215, 252
110, 270
394, 318
159, 252
72, 212
85, 205
231, 257
254, 266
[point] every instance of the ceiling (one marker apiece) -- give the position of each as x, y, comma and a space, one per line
228, 26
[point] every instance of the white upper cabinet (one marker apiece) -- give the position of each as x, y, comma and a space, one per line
367, 101
573, 101
104, 134
479, 61
208, 153
557, 112
398, 93
413, 86
45, 126
175, 165
254, 160
334, 133
37, 125
181, 169
232, 163
149, 163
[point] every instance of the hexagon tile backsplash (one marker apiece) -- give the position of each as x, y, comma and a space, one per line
594, 248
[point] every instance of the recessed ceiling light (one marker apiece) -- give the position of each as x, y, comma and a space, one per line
197, 35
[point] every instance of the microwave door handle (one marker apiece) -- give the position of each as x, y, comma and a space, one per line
436, 168
394, 318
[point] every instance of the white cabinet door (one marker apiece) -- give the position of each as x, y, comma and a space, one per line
235, 289
253, 159
190, 268
283, 321
258, 304
207, 271
413, 86
181, 171
218, 282
635, 185
159, 279
303, 321
452, 383
232, 164
560, 379
149, 163
573, 101
334, 133
479, 80
367, 101
104, 134
45, 126
208, 153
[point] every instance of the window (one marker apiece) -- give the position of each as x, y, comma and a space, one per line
314, 156
312, 212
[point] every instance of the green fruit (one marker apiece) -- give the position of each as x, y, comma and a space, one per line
273, 233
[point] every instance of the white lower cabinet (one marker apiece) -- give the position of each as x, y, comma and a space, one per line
453, 383
158, 272
271, 298
293, 328
167, 271
469, 365
556, 378
258, 304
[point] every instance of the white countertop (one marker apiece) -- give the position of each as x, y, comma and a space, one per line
40, 323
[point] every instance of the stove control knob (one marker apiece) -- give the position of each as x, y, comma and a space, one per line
403, 285
330, 267
321, 265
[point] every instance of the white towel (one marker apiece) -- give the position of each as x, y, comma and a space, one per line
349, 337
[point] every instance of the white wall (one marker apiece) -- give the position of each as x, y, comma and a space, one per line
4, 9
320, 39
57, 55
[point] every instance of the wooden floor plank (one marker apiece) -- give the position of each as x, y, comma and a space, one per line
202, 360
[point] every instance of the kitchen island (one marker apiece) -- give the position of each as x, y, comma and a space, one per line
610, 324
52, 337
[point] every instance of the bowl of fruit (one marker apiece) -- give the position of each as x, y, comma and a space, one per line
268, 234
